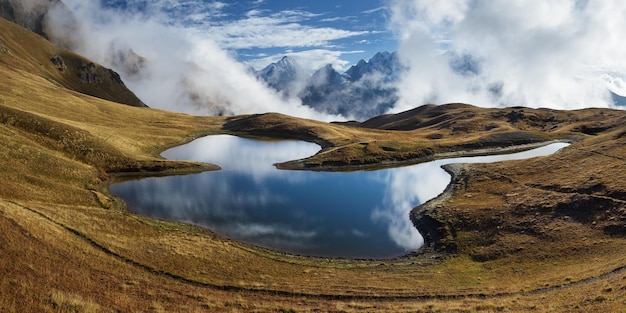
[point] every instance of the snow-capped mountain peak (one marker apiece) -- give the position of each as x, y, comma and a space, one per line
280, 75
385, 63
363, 91
326, 75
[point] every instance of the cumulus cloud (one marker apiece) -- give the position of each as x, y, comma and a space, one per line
183, 68
531, 53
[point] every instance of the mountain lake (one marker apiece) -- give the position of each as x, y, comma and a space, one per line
359, 214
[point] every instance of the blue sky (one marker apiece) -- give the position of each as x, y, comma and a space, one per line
350, 30
259, 32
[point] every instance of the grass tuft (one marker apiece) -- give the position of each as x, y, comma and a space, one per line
71, 303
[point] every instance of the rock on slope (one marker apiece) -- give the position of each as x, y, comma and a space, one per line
23, 49
30, 14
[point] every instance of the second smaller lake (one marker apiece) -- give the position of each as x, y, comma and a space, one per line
363, 214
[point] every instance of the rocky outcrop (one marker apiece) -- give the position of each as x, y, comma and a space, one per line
26, 51
90, 78
48, 18
29, 14
58, 62
126, 60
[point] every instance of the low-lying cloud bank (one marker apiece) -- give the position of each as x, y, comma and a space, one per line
561, 54
167, 64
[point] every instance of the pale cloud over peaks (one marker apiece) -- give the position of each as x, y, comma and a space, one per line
531, 53
184, 69
310, 60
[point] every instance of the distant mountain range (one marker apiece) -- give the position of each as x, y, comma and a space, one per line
364, 90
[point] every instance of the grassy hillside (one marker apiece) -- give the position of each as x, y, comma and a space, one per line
428, 132
529, 235
24, 51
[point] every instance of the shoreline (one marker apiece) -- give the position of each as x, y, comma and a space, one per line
300, 165
431, 250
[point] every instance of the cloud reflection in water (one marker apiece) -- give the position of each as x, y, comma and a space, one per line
357, 214
409, 186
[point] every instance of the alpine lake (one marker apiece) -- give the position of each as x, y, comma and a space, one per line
358, 214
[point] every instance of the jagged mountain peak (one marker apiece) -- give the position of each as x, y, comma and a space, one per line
383, 55
384, 62
327, 75
325, 70
347, 93
287, 61
280, 75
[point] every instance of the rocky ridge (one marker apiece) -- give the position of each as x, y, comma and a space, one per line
63, 66
364, 90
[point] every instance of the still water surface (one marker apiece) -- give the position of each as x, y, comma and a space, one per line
363, 214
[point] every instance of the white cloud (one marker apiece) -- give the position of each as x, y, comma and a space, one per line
281, 29
375, 10
532, 53
357, 233
338, 18
255, 230
310, 60
185, 70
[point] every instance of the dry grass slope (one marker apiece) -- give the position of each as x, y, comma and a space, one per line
24, 51
537, 235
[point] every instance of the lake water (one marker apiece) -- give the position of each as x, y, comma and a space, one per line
362, 214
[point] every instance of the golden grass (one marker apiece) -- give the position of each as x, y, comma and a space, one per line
63, 302
67, 244
454, 130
